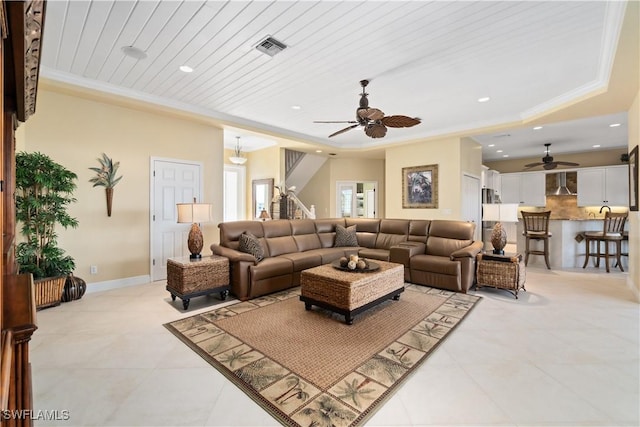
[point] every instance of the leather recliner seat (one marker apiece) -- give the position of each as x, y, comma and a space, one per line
438, 253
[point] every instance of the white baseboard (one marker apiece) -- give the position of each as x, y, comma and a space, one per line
118, 283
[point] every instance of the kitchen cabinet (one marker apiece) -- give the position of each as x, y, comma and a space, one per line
603, 186
527, 189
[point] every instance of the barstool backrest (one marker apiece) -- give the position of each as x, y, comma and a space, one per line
537, 222
614, 222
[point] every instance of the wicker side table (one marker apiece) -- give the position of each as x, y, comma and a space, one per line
188, 278
501, 271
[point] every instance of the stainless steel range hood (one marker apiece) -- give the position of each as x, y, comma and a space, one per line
562, 189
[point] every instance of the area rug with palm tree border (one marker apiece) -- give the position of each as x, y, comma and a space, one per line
309, 367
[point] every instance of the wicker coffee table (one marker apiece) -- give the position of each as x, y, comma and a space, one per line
350, 293
188, 278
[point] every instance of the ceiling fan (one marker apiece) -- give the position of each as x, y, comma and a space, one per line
373, 120
547, 161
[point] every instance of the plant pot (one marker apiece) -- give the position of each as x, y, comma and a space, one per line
48, 291
109, 192
74, 288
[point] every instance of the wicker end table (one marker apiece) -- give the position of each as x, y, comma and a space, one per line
188, 278
501, 271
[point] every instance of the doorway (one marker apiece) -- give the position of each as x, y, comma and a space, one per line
234, 192
471, 206
172, 182
356, 199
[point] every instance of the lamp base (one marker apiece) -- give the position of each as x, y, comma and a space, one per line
195, 242
498, 251
498, 239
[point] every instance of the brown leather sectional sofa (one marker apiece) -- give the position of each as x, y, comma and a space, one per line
438, 253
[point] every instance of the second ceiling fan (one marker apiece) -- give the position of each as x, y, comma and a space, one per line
373, 120
547, 162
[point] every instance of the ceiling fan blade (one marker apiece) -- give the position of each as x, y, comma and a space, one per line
568, 163
549, 166
376, 130
344, 130
530, 165
370, 113
400, 121
343, 121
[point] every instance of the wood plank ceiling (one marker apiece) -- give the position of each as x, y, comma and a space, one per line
431, 60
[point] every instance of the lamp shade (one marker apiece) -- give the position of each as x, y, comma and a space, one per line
264, 214
194, 212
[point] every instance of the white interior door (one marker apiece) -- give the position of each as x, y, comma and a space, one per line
172, 182
234, 192
471, 206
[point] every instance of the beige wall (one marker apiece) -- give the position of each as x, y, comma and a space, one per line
321, 189
75, 131
317, 192
262, 164
471, 157
634, 217
445, 153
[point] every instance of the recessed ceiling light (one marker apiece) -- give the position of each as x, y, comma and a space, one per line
498, 151
505, 155
186, 69
614, 125
133, 52
296, 107
484, 99
492, 145
596, 146
318, 151
537, 128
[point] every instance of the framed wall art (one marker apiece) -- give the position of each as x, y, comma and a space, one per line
420, 187
633, 179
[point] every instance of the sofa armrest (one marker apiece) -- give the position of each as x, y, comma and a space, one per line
402, 252
232, 254
468, 251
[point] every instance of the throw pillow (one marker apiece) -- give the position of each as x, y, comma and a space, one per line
346, 236
251, 245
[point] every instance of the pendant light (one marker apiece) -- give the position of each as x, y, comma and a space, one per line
237, 158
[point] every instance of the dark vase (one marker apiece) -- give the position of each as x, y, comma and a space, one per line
284, 207
74, 288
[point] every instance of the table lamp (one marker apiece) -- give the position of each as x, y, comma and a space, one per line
264, 215
501, 212
194, 213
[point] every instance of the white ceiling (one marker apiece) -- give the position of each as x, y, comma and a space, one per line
431, 60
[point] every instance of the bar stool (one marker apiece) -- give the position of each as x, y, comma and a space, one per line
612, 232
536, 227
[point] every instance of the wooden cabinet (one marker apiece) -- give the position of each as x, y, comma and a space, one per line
603, 186
527, 189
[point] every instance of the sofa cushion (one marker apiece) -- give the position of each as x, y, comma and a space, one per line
326, 229
248, 243
381, 254
385, 241
345, 236
281, 245
329, 255
418, 230
303, 260
435, 264
270, 267
230, 232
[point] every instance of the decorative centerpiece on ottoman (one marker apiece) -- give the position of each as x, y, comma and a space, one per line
351, 292
188, 278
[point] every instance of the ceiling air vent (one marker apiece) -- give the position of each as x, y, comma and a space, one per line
271, 46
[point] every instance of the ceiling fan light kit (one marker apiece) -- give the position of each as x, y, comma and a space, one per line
373, 120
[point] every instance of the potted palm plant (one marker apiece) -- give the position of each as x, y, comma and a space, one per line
43, 192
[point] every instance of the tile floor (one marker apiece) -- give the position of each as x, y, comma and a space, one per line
565, 353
